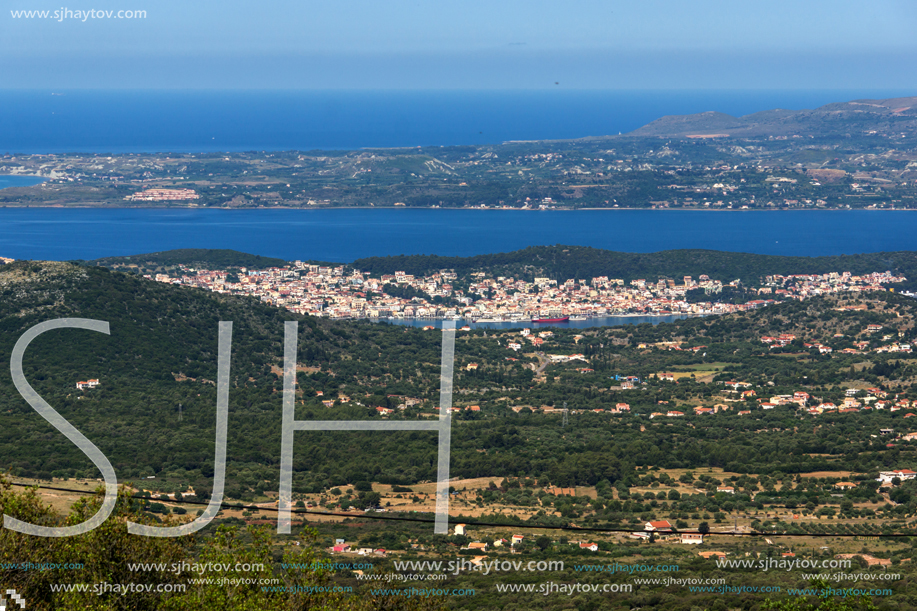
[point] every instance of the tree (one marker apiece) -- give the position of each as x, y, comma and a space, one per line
703, 528
543, 542
106, 551
368, 499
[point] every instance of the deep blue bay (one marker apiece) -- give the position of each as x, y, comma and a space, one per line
343, 235
7, 181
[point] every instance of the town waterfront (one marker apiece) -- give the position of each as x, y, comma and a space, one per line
598, 321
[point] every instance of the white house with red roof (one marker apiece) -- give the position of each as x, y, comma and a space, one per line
87, 384
659, 526
903, 474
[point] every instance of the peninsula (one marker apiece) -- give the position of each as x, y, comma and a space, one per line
857, 154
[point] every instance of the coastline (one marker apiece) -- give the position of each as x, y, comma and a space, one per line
101, 206
594, 321
118, 205
586, 318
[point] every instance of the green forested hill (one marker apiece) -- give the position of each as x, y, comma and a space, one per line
162, 353
158, 334
208, 258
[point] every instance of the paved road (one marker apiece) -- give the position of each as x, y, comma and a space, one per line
543, 362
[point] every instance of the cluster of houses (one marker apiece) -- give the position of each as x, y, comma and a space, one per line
665, 531
661, 529
874, 399
342, 547
329, 291
565, 358
860, 347
163, 195
802, 286
856, 400
405, 402
514, 542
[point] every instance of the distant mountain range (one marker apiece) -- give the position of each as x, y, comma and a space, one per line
855, 117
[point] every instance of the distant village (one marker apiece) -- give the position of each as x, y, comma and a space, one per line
335, 293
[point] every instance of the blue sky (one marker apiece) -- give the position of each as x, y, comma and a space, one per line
507, 44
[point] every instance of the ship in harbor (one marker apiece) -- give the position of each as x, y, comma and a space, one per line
562, 319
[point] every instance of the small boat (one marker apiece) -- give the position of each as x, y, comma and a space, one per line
563, 319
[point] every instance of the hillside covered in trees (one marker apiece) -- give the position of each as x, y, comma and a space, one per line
153, 411
712, 434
